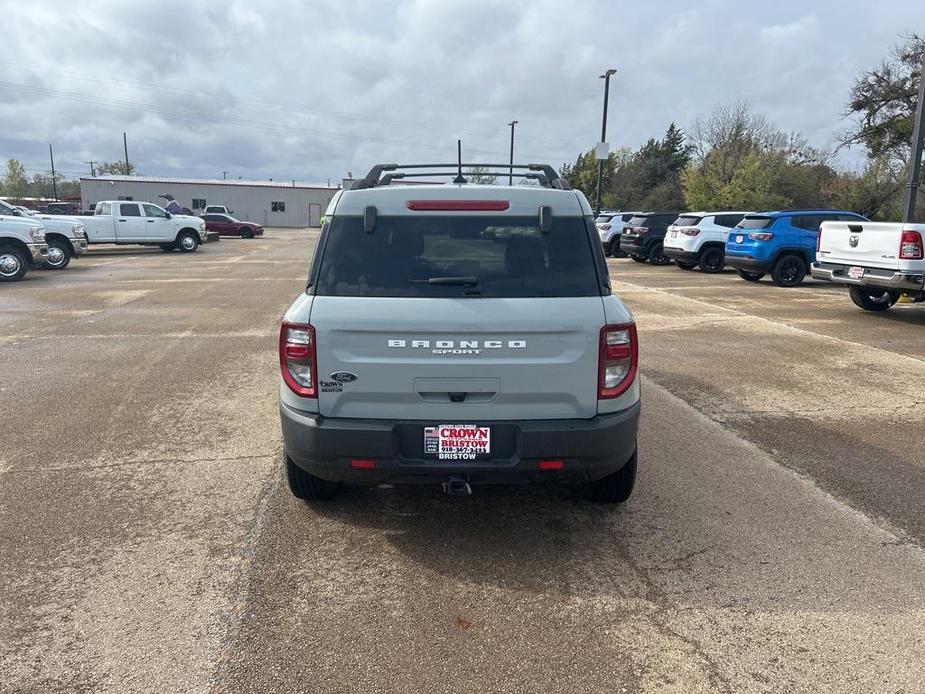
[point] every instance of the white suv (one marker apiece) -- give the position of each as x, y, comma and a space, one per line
699, 238
611, 226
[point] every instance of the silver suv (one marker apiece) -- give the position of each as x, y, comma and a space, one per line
459, 334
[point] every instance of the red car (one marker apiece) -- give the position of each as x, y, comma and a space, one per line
227, 225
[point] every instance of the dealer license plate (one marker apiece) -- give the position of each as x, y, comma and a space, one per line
739, 238
855, 272
457, 441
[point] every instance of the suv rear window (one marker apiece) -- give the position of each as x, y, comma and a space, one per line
639, 220
603, 219
755, 223
453, 256
691, 221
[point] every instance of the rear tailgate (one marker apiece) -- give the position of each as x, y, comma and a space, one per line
458, 359
865, 244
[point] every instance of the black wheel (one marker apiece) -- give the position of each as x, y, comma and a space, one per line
620, 254
638, 258
788, 271
750, 276
685, 266
608, 249
712, 260
657, 255
616, 487
305, 485
187, 241
13, 264
873, 299
59, 254
168, 247
246, 233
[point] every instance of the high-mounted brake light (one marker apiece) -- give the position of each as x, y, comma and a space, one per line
297, 359
618, 361
458, 205
910, 245
761, 235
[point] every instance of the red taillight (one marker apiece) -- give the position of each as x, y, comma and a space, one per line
690, 231
761, 235
362, 464
297, 360
618, 361
458, 205
910, 245
552, 465
641, 230
605, 227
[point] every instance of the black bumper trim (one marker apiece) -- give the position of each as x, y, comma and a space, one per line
682, 255
591, 449
737, 262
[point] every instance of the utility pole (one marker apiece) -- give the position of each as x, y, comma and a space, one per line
54, 181
224, 175
918, 139
92, 170
510, 177
125, 147
600, 165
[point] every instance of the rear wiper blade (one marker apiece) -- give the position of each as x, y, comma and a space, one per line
465, 281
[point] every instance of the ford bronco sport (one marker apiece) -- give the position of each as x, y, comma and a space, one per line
459, 334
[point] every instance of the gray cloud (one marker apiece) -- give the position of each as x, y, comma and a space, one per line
311, 90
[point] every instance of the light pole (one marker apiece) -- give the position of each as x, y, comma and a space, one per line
600, 164
915, 163
510, 178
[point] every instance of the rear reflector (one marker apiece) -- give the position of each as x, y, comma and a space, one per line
458, 205
552, 464
362, 464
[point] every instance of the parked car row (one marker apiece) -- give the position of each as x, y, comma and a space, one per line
781, 243
879, 262
51, 241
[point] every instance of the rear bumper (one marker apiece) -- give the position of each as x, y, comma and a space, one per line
681, 254
873, 277
739, 262
634, 246
590, 448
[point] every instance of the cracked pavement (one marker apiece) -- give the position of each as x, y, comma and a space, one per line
148, 542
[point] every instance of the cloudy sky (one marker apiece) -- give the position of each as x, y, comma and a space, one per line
312, 89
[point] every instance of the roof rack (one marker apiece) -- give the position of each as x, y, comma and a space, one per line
384, 174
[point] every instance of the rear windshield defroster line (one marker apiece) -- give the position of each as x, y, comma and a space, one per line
499, 256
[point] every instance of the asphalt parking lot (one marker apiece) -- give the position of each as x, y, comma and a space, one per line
148, 542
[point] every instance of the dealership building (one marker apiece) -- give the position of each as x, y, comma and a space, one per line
270, 203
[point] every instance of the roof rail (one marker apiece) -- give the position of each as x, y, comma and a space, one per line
383, 174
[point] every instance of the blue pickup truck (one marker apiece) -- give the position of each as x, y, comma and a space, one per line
782, 243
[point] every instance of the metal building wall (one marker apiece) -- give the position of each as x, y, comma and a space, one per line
250, 202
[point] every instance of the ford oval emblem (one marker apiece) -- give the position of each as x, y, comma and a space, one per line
343, 377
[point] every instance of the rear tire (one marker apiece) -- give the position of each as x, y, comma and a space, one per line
873, 299
13, 264
712, 260
750, 276
187, 242
638, 258
617, 487
788, 271
59, 254
684, 265
305, 485
246, 233
657, 255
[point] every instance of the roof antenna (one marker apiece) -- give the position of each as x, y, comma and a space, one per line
459, 177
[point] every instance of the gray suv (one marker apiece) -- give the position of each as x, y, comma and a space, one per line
459, 334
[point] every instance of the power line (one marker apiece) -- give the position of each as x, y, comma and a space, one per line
280, 107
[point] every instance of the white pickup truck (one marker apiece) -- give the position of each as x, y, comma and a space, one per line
144, 223
65, 236
22, 245
878, 261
